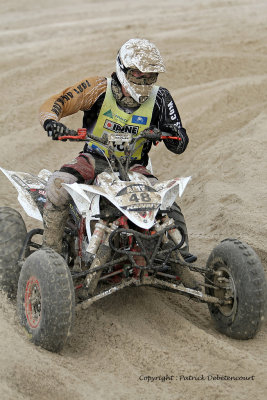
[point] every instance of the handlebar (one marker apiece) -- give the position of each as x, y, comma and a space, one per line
83, 135
122, 163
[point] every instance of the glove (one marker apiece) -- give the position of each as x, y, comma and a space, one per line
55, 129
152, 132
173, 130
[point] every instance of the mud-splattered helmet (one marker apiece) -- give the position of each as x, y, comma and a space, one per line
139, 55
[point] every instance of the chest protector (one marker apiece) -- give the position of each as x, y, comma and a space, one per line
112, 119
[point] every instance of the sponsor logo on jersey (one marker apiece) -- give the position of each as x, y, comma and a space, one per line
137, 119
171, 111
114, 116
120, 118
115, 127
108, 114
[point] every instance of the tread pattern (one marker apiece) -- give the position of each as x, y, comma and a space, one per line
57, 301
179, 220
250, 282
12, 236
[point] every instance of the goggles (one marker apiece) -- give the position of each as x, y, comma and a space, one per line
139, 78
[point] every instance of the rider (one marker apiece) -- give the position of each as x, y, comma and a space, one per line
130, 101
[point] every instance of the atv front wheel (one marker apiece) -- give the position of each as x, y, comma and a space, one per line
12, 237
236, 270
45, 301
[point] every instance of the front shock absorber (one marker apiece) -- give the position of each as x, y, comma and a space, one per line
174, 233
101, 251
96, 238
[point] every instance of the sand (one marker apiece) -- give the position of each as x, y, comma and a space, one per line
216, 56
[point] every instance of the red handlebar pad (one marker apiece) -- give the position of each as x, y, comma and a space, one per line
81, 135
77, 137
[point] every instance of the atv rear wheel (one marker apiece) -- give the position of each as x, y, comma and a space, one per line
12, 237
236, 268
45, 301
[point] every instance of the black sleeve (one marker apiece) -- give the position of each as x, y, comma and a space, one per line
166, 117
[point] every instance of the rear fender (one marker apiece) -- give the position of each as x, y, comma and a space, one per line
169, 190
27, 185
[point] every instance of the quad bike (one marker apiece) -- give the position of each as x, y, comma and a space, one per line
121, 232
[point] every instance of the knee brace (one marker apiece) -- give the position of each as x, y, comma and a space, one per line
55, 192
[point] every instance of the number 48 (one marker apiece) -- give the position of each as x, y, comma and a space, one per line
135, 199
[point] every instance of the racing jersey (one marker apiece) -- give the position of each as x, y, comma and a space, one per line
88, 96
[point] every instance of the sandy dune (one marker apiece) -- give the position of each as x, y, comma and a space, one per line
216, 58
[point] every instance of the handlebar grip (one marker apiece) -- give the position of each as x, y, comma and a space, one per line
81, 135
151, 136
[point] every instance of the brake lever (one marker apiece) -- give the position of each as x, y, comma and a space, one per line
154, 136
171, 137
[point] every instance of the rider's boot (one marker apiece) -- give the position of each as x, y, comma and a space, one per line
54, 219
182, 271
188, 257
179, 219
187, 277
185, 274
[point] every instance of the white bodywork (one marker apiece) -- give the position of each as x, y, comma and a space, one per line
137, 199
24, 183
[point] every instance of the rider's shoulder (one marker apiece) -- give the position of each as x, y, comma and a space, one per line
162, 91
95, 81
163, 95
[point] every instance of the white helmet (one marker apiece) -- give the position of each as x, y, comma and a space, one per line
144, 56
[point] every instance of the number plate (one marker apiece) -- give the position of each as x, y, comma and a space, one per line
139, 197
119, 138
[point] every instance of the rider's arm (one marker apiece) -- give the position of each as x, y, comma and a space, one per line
166, 117
80, 96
